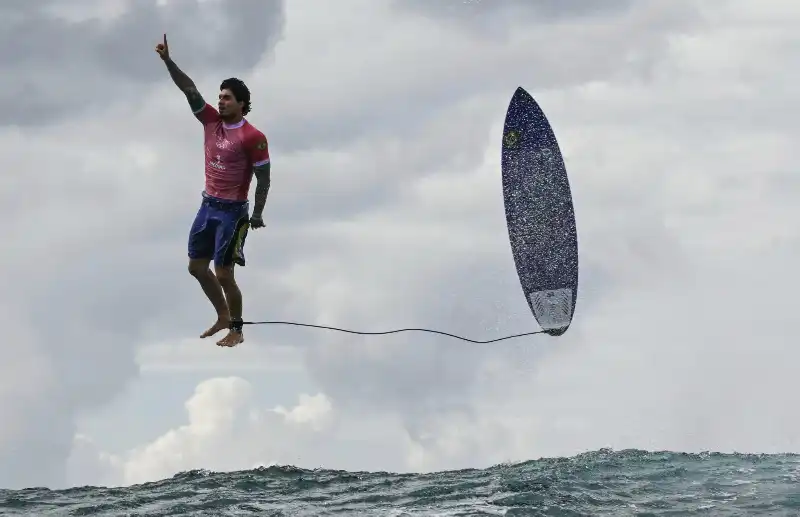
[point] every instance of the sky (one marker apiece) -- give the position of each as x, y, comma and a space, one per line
677, 121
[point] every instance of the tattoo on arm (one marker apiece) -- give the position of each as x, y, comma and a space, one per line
262, 188
196, 101
186, 85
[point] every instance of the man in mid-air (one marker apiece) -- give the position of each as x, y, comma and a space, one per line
235, 151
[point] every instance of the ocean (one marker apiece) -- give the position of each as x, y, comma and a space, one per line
600, 483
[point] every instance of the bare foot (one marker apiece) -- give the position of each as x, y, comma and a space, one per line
221, 324
233, 338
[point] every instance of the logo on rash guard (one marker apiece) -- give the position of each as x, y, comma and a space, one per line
217, 164
224, 143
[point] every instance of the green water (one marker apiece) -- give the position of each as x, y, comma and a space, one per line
593, 484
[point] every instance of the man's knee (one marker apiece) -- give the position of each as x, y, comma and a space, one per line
198, 267
225, 275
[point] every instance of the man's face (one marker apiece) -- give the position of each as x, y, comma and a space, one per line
228, 107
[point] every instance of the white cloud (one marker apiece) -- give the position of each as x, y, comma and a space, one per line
312, 410
224, 431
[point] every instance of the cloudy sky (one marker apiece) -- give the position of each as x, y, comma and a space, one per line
678, 123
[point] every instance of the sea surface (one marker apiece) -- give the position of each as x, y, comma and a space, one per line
598, 483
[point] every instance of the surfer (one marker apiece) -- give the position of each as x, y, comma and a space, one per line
234, 151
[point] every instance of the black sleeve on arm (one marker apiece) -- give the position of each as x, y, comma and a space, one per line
196, 101
186, 85
262, 187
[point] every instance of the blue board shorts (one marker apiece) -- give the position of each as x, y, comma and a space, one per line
219, 231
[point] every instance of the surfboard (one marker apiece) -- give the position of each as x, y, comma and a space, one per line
540, 215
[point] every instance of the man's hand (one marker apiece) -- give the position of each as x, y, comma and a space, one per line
163, 49
256, 222
181, 80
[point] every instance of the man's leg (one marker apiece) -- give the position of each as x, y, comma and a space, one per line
202, 244
230, 252
234, 298
199, 268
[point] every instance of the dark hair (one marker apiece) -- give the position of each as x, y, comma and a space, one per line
240, 92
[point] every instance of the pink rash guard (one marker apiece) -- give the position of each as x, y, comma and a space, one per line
231, 153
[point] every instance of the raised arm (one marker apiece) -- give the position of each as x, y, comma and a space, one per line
181, 80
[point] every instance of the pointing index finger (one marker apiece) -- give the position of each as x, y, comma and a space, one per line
165, 39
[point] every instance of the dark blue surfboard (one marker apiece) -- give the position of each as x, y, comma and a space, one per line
539, 214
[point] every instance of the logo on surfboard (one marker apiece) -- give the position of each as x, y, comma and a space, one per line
511, 138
